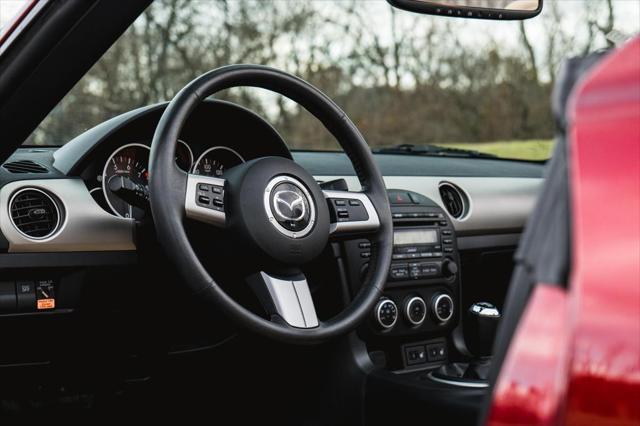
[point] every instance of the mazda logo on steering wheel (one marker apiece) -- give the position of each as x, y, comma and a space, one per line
289, 205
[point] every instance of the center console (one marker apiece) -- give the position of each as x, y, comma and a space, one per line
410, 325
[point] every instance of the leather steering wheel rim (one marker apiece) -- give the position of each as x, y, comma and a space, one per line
168, 185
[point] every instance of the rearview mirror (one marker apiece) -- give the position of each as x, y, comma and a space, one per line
478, 9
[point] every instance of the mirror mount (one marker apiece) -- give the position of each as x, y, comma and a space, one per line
512, 10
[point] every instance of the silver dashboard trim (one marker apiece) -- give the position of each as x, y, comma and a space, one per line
86, 227
500, 204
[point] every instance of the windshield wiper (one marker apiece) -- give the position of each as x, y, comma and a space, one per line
432, 150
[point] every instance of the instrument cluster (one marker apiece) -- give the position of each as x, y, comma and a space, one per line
125, 175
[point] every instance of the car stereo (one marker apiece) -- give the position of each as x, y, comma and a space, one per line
421, 297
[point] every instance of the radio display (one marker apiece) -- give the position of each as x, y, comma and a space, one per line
415, 236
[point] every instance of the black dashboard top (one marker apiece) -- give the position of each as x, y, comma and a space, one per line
337, 164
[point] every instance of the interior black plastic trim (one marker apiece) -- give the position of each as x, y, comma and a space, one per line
37, 260
475, 242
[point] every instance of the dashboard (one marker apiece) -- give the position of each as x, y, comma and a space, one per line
457, 221
100, 179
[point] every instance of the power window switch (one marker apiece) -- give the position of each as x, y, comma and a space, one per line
415, 355
26, 295
8, 301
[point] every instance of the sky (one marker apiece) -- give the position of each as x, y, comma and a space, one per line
8, 9
627, 16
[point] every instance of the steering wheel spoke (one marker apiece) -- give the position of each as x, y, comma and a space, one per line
351, 213
286, 297
204, 199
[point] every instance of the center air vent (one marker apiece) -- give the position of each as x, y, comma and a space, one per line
34, 213
25, 166
455, 201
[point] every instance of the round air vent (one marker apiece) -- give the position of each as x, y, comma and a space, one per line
34, 213
454, 200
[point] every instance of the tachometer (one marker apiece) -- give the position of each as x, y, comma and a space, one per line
125, 181
216, 160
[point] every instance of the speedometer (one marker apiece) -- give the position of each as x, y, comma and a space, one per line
125, 181
216, 160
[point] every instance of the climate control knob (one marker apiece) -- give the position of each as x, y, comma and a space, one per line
415, 310
442, 307
386, 313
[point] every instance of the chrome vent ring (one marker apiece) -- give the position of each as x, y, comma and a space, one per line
454, 199
35, 213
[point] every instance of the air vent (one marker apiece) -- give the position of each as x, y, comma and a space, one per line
25, 166
34, 213
454, 200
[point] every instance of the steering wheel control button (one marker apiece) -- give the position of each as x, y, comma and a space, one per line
386, 314
289, 206
348, 210
442, 308
205, 198
415, 310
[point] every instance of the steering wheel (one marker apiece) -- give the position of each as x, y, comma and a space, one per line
275, 209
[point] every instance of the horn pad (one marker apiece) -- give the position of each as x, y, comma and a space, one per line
278, 210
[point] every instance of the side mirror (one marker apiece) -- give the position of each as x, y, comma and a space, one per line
476, 9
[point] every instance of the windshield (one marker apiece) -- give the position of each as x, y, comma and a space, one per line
404, 79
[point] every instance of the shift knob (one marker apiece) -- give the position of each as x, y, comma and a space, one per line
482, 321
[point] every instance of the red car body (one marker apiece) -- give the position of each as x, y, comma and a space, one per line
575, 358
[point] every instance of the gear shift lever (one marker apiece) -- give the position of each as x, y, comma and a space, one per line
483, 318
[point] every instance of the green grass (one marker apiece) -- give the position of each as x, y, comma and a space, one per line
523, 150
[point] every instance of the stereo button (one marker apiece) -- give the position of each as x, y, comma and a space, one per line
399, 273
